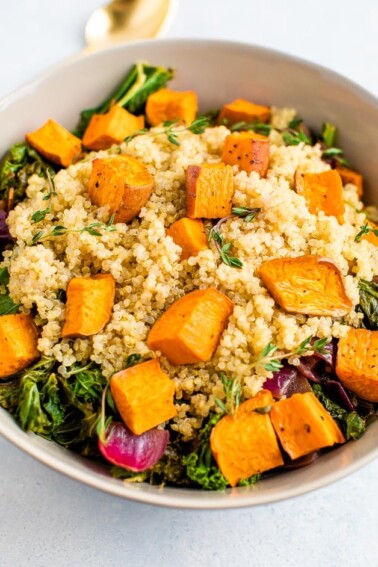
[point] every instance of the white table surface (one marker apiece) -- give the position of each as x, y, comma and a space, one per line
50, 521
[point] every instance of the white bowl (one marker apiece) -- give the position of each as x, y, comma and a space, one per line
219, 71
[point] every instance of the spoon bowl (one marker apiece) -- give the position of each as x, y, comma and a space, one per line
127, 20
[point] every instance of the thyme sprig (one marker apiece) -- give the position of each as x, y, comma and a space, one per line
40, 215
330, 152
258, 127
224, 248
233, 394
171, 129
365, 229
271, 362
94, 229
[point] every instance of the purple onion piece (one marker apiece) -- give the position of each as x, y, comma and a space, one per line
5, 237
307, 367
133, 452
337, 393
301, 462
286, 382
329, 356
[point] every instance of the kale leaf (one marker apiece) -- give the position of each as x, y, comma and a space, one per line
201, 467
369, 303
352, 424
141, 81
19, 163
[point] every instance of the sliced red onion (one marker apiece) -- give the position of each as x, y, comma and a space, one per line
5, 237
337, 393
301, 462
133, 452
329, 356
307, 366
286, 382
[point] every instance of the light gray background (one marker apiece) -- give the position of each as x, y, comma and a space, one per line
49, 521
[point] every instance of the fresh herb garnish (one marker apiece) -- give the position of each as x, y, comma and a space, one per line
258, 127
331, 153
94, 229
171, 129
224, 248
329, 134
233, 393
246, 213
365, 229
271, 362
293, 137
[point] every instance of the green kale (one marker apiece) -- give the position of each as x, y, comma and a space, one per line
352, 424
4, 276
369, 303
200, 465
8, 306
19, 163
141, 81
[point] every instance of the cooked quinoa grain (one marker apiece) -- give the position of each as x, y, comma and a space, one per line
149, 275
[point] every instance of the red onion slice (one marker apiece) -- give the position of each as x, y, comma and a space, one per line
133, 452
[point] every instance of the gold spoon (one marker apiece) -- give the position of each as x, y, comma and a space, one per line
127, 20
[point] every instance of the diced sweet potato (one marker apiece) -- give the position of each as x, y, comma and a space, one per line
303, 425
241, 110
167, 104
143, 395
190, 330
245, 444
357, 363
307, 284
89, 305
110, 128
18, 343
190, 235
249, 151
322, 192
209, 191
123, 183
55, 143
350, 176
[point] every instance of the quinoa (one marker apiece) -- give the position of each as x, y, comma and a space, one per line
150, 276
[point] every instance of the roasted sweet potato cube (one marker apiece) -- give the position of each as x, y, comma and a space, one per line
191, 328
143, 395
245, 444
357, 363
209, 191
241, 110
55, 143
350, 176
190, 235
303, 425
167, 104
122, 183
262, 400
322, 192
110, 128
247, 150
89, 305
307, 284
18, 343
